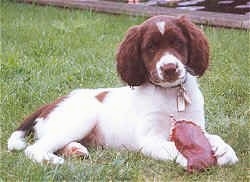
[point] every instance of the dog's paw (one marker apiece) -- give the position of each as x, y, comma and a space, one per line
225, 154
16, 141
74, 149
40, 156
222, 151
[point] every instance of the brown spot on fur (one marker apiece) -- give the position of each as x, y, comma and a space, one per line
94, 138
101, 96
50, 107
28, 122
42, 112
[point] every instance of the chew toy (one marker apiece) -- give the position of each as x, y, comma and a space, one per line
191, 142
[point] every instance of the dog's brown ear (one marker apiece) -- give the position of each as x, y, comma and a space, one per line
198, 52
130, 66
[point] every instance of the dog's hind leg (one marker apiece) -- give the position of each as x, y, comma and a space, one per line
44, 148
17, 138
71, 121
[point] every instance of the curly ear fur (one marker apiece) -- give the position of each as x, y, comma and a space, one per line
198, 58
130, 66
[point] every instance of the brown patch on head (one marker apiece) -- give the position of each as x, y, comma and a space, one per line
146, 43
130, 65
198, 49
101, 96
156, 44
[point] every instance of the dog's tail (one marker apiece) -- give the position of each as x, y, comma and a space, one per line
17, 138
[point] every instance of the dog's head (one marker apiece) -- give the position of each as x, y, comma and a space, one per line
161, 50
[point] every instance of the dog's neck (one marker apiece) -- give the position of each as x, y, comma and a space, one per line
177, 84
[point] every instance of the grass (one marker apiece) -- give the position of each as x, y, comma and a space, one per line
46, 52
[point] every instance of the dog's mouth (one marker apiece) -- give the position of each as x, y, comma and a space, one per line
170, 77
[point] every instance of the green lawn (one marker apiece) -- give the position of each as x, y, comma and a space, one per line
46, 52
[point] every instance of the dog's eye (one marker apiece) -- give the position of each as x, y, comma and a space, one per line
174, 41
151, 47
178, 43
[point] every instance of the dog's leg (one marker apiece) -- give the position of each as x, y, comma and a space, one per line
222, 151
17, 141
160, 148
38, 154
44, 148
70, 122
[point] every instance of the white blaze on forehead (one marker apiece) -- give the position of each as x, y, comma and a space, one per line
161, 26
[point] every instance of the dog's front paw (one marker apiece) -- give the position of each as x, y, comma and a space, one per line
37, 155
225, 154
222, 151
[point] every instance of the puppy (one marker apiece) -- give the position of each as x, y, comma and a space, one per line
159, 60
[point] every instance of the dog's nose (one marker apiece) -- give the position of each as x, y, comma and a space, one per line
169, 68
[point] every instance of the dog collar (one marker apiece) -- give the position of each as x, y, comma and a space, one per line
183, 81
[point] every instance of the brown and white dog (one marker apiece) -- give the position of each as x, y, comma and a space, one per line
159, 60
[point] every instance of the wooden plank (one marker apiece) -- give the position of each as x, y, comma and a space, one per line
199, 17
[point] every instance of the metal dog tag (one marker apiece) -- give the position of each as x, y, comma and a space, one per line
181, 105
186, 97
182, 99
